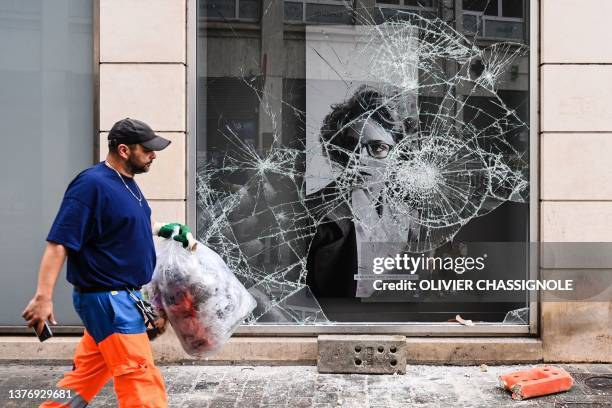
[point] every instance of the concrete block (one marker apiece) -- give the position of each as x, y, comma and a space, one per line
574, 98
153, 93
166, 179
572, 221
574, 31
361, 354
576, 331
565, 167
160, 36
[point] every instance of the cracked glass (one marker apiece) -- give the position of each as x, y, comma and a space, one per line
324, 128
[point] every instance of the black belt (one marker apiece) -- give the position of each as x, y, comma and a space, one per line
95, 289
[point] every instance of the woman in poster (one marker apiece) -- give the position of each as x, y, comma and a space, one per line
357, 137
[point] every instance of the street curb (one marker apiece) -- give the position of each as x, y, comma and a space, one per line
291, 350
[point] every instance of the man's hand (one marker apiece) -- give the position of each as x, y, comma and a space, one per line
182, 235
166, 230
40, 308
159, 329
160, 324
38, 311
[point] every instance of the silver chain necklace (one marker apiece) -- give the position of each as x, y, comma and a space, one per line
139, 199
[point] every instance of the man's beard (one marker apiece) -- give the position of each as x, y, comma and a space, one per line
135, 168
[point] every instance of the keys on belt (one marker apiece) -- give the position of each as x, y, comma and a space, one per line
145, 308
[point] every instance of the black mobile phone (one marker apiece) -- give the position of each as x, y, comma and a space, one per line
45, 334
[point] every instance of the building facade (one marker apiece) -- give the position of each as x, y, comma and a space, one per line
501, 109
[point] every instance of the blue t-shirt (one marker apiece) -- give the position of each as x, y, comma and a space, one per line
106, 231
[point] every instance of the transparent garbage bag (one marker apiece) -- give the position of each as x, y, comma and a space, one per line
202, 298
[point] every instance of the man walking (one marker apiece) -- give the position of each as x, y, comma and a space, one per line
103, 227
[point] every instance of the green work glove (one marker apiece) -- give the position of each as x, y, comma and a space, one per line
182, 235
168, 229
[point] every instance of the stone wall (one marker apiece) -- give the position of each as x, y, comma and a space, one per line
576, 145
143, 76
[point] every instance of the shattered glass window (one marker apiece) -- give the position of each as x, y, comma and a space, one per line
401, 124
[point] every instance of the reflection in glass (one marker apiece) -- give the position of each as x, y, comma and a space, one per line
418, 3
512, 8
46, 123
294, 11
249, 9
219, 9
488, 7
326, 13
504, 29
472, 24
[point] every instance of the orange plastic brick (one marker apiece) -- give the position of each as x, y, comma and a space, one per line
538, 381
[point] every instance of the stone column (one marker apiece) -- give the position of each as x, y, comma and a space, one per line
576, 145
143, 76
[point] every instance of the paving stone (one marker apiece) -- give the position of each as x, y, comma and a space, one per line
326, 398
194, 403
222, 402
301, 387
354, 403
300, 402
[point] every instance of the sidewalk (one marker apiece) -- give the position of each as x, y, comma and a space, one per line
302, 386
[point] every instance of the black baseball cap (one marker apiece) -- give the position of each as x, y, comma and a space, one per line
131, 131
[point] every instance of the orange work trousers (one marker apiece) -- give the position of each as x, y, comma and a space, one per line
124, 358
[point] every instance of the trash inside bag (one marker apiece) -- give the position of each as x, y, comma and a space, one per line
202, 298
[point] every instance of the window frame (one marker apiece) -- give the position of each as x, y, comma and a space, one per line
412, 329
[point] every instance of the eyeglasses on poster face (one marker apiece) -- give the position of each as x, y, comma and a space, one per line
377, 150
